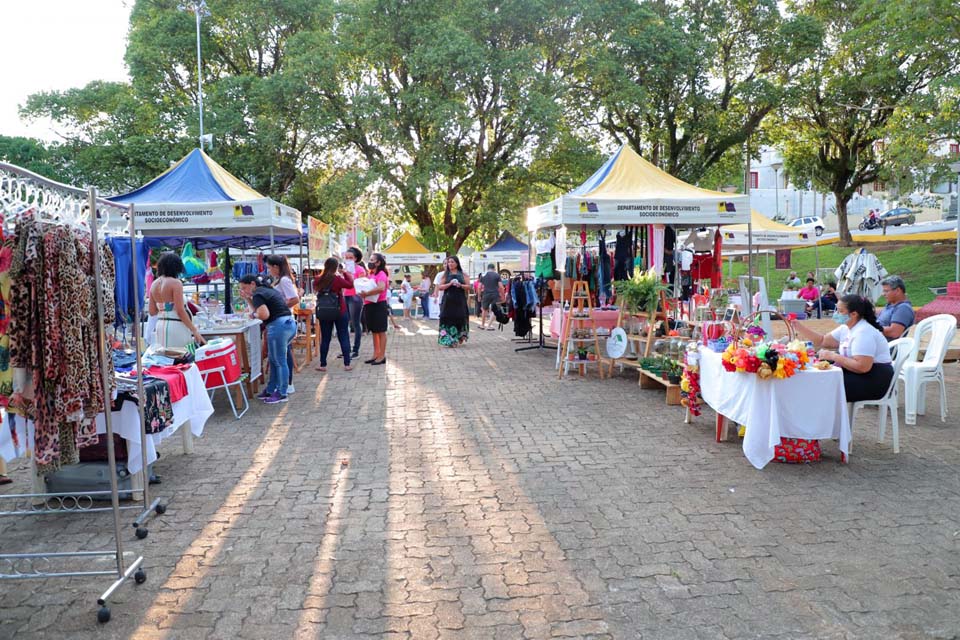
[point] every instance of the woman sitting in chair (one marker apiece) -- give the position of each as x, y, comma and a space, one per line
857, 346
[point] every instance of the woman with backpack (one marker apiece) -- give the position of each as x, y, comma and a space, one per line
331, 310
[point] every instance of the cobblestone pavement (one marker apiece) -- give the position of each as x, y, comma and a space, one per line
470, 494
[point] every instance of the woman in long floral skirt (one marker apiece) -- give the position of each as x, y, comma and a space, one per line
454, 314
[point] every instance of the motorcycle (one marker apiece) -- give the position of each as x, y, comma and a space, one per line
869, 223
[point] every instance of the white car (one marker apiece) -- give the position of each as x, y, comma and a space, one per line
814, 224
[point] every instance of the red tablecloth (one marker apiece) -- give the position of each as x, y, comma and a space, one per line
606, 319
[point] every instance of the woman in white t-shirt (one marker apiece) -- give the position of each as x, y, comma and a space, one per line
858, 347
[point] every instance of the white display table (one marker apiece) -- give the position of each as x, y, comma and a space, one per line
810, 405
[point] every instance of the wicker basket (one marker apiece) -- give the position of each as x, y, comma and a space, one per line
740, 330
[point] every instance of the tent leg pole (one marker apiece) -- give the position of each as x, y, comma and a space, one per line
227, 294
767, 254
749, 300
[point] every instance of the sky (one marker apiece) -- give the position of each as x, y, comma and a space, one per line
57, 45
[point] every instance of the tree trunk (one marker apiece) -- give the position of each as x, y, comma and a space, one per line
846, 240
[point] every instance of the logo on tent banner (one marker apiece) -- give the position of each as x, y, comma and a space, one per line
241, 210
588, 207
726, 207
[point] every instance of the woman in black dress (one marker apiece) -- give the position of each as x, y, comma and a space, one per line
454, 313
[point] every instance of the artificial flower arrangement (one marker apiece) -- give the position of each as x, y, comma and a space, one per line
766, 359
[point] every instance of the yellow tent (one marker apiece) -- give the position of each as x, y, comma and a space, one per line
409, 250
766, 234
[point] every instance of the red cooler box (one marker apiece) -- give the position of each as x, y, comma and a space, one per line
219, 352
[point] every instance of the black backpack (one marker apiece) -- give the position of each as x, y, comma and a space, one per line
328, 305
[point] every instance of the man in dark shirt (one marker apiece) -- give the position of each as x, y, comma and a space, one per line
491, 293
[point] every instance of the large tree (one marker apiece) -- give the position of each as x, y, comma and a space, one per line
123, 134
868, 93
445, 104
686, 84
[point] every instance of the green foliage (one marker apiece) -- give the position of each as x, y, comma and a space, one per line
686, 84
877, 79
444, 106
641, 292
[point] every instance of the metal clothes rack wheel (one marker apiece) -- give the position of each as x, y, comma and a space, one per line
27, 191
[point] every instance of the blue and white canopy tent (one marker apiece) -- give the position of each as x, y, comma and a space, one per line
197, 199
507, 248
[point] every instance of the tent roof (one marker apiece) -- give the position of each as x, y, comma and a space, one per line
195, 178
507, 242
760, 221
626, 175
628, 190
406, 243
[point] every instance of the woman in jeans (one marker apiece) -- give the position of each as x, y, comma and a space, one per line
283, 281
353, 267
332, 282
268, 304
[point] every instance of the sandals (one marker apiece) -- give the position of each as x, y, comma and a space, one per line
320, 369
349, 367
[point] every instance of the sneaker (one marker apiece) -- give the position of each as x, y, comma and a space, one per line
263, 395
290, 389
276, 398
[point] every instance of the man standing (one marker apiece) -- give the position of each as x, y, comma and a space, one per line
491, 293
897, 316
424, 290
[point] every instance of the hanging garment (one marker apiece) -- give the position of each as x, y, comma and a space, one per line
603, 267
702, 266
717, 278
623, 256
124, 289
6, 371
54, 334
544, 266
522, 324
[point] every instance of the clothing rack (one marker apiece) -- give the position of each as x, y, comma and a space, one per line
24, 191
540, 340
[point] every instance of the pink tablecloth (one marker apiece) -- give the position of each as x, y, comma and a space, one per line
606, 319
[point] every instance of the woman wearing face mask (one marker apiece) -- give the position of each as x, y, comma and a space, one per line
377, 312
857, 346
353, 267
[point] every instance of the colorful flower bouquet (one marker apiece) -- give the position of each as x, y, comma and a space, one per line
766, 359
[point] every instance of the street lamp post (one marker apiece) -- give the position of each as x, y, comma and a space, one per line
776, 166
199, 9
955, 167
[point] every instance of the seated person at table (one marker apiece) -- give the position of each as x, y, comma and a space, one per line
857, 346
897, 316
828, 301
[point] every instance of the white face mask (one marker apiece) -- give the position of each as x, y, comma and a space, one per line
349, 265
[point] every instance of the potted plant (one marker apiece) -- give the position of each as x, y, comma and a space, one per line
674, 373
641, 293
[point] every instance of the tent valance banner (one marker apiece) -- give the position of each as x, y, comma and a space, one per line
318, 234
765, 233
407, 250
628, 190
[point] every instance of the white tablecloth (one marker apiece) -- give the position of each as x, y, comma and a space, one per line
195, 407
810, 405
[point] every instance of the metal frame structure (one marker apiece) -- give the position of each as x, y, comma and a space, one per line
34, 192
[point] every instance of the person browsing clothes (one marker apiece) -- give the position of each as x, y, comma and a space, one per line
857, 346
268, 305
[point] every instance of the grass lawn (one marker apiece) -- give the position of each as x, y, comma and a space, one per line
920, 265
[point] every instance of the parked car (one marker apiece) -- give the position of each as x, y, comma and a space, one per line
814, 224
897, 217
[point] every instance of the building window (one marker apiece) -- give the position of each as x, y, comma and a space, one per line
954, 149
754, 180
879, 185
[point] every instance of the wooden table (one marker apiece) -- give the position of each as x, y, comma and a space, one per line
309, 340
247, 338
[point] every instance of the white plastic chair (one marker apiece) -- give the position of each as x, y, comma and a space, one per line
900, 353
916, 374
